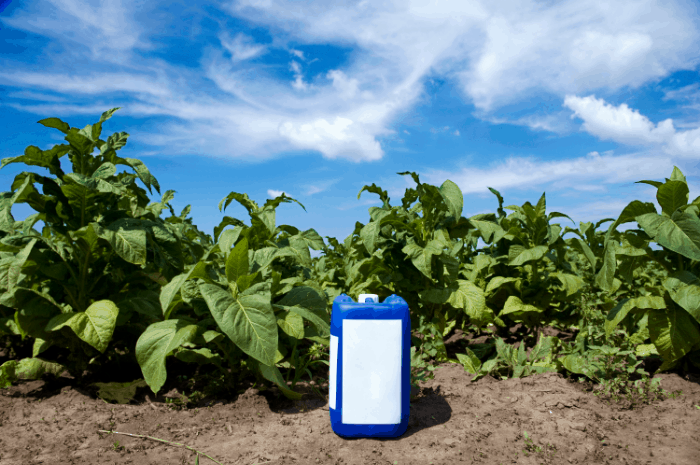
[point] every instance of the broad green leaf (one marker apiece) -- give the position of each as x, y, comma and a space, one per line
606, 276
680, 233
11, 273
497, 282
463, 295
575, 364
27, 368
572, 283
422, 257
55, 123
688, 297
40, 345
515, 306
672, 195
141, 171
104, 171
237, 261
488, 366
141, 301
291, 323
94, 326
306, 302
44, 158
453, 197
312, 238
644, 350
489, 230
519, 370
542, 349
245, 281
8, 326
169, 292
470, 361
156, 343
36, 311
129, 245
246, 318
504, 351
522, 355
519, 255
620, 311
673, 332
369, 235
201, 356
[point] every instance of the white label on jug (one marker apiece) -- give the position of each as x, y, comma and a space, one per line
371, 372
334, 372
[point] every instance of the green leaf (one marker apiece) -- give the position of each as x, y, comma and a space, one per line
620, 311
128, 244
519, 311
519, 255
306, 302
56, 124
644, 350
470, 361
672, 195
673, 332
370, 234
453, 197
95, 325
237, 262
156, 343
169, 292
572, 283
27, 368
680, 233
606, 276
522, 355
291, 323
40, 345
202, 356
575, 364
48, 159
246, 318
542, 350
8, 327
497, 282
688, 297
422, 257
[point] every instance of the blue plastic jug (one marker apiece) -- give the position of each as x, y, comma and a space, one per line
370, 367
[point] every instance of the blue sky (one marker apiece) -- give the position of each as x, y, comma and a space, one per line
578, 99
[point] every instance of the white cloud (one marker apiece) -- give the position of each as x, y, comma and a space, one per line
570, 174
493, 54
629, 127
273, 194
239, 48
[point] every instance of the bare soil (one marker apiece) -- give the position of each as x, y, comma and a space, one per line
451, 421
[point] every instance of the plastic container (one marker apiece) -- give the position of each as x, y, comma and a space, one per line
370, 367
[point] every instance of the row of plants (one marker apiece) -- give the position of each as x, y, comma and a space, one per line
108, 281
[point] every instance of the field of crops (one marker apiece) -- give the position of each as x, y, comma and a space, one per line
532, 349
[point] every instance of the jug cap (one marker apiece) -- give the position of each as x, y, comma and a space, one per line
363, 298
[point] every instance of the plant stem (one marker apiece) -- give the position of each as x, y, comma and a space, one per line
161, 440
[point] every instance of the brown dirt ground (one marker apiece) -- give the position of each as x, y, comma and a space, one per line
451, 421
